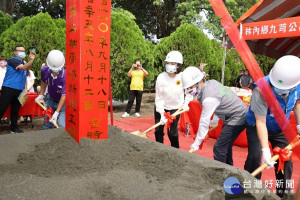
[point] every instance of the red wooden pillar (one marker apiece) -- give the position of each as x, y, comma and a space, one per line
87, 68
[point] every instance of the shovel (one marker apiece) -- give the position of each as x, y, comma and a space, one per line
290, 147
211, 129
44, 108
143, 134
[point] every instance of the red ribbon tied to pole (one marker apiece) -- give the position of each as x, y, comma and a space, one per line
48, 113
284, 155
170, 119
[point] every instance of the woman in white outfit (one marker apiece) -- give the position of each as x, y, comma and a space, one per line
169, 97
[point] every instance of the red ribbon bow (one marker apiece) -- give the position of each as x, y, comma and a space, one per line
48, 113
170, 119
284, 155
205, 139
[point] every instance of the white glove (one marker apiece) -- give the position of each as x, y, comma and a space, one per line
298, 129
196, 144
54, 116
185, 107
266, 157
163, 119
214, 122
187, 99
39, 98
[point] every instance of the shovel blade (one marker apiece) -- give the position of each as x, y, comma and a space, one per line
139, 133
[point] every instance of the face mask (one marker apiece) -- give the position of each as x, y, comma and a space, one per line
55, 71
3, 64
193, 91
246, 74
21, 55
241, 74
171, 68
281, 92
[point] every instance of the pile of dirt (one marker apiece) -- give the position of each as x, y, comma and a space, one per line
51, 165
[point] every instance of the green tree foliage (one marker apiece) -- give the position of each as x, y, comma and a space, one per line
161, 18
55, 8
41, 31
233, 66
236, 8
127, 46
265, 63
5, 21
194, 46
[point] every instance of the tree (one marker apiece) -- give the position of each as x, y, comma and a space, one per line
265, 63
161, 18
5, 21
7, 6
55, 8
41, 31
127, 46
194, 46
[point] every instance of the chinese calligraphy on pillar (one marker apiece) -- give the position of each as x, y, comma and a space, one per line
88, 68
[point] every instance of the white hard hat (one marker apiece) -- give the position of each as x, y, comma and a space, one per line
191, 76
174, 56
286, 72
55, 60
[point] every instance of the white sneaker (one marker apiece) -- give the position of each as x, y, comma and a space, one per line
125, 115
137, 114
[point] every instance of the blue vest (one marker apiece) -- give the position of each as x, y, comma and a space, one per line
287, 107
15, 79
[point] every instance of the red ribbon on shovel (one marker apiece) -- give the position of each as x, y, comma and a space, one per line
284, 155
48, 113
170, 119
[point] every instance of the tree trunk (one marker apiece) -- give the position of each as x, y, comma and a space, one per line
7, 6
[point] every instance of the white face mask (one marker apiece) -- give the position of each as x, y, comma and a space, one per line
21, 55
3, 64
55, 71
171, 68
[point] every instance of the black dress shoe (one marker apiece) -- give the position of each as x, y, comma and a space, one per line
16, 130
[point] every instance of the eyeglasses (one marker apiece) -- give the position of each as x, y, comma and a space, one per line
20, 50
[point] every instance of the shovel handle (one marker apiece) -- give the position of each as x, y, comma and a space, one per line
295, 142
44, 108
178, 112
40, 104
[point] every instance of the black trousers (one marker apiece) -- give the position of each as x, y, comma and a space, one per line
223, 146
10, 96
172, 133
132, 95
277, 139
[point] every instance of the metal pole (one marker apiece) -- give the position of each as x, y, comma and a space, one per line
224, 59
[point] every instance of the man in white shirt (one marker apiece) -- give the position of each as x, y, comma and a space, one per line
219, 100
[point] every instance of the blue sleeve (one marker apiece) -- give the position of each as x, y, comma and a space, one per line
14, 62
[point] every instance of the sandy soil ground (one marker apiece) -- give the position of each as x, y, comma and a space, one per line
51, 165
